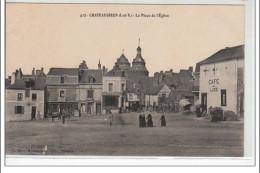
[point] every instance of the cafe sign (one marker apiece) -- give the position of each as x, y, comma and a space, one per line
213, 84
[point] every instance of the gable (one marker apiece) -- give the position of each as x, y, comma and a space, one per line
165, 89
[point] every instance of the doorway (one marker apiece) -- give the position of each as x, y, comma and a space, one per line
98, 108
204, 102
89, 108
33, 112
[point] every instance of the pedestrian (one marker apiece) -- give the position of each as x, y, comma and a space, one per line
150, 120
111, 119
140, 120
163, 121
39, 115
144, 122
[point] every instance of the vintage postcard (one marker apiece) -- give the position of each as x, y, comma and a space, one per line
128, 80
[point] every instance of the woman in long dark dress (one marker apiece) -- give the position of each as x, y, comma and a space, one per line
150, 120
140, 120
163, 121
144, 122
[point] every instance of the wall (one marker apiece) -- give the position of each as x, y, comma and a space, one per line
134, 97
117, 83
151, 98
225, 78
55, 79
53, 94
165, 90
11, 102
97, 96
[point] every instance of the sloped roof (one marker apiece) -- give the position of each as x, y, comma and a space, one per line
63, 71
177, 94
223, 55
122, 59
130, 87
185, 73
39, 84
185, 84
7, 82
146, 81
97, 74
154, 89
19, 84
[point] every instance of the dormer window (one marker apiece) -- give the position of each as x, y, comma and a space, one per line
91, 79
19, 96
62, 79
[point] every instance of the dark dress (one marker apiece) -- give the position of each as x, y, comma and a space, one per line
143, 121
140, 120
163, 121
150, 120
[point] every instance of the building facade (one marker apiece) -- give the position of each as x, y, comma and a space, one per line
90, 91
221, 82
62, 90
114, 94
25, 99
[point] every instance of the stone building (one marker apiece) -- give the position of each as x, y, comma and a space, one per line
221, 80
25, 95
25, 99
114, 94
90, 91
62, 89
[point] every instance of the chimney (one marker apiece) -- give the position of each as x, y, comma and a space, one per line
42, 69
104, 70
13, 78
33, 71
19, 75
191, 69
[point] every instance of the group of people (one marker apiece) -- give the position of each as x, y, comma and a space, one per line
149, 123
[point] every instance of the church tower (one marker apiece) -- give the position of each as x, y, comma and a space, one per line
138, 64
99, 65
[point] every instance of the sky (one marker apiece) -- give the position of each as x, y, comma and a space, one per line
54, 35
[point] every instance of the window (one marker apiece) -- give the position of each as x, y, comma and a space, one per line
19, 96
19, 110
130, 96
110, 87
138, 97
90, 93
91, 79
34, 96
61, 79
123, 86
163, 95
223, 98
62, 93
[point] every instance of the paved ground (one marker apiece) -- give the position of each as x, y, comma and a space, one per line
184, 136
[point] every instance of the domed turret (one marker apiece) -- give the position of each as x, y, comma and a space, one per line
138, 63
122, 62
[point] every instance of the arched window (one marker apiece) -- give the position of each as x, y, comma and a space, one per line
91, 79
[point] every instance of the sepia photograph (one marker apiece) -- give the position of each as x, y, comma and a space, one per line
156, 80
